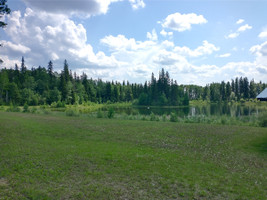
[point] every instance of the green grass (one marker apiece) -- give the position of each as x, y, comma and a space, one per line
61, 157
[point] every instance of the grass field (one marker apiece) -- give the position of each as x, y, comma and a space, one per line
60, 157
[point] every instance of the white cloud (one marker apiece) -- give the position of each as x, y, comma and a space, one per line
119, 43
182, 22
244, 28
240, 21
224, 55
263, 34
41, 37
232, 35
164, 33
252, 70
14, 48
260, 51
140, 58
82, 8
152, 36
239, 30
78, 7
136, 4
206, 49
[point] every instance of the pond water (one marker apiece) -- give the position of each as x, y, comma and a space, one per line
207, 110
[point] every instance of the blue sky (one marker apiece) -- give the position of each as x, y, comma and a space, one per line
197, 41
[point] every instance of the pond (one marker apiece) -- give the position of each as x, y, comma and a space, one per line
207, 110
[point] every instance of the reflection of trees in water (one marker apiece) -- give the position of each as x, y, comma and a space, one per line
207, 110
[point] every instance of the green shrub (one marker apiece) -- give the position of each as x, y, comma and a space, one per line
263, 119
33, 110
72, 112
54, 105
111, 113
25, 108
173, 117
143, 118
164, 118
152, 117
61, 104
99, 114
13, 108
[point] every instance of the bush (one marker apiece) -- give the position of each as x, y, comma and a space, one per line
111, 113
33, 110
13, 108
72, 112
263, 119
54, 105
25, 108
173, 117
99, 114
164, 118
61, 104
152, 117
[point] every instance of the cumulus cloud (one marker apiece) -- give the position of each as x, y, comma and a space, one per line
14, 48
42, 36
77, 7
206, 49
244, 28
260, 51
182, 22
263, 34
165, 33
140, 58
153, 35
240, 21
83, 8
252, 70
136, 4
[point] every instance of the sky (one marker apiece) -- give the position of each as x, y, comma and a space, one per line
196, 41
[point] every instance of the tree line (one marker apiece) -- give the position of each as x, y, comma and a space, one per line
38, 86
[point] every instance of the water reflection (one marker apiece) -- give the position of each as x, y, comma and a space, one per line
207, 110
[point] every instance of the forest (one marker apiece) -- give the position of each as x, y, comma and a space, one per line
39, 86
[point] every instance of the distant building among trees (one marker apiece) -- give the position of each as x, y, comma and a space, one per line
263, 95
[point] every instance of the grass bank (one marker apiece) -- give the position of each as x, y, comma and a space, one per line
60, 157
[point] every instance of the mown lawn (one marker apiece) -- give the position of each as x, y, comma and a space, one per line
60, 157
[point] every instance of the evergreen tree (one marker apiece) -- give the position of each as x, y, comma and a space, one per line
66, 73
50, 69
246, 87
4, 9
222, 91
241, 87
228, 91
23, 67
252, 89
237, 93
63, 87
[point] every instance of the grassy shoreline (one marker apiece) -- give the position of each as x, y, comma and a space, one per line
107, 111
